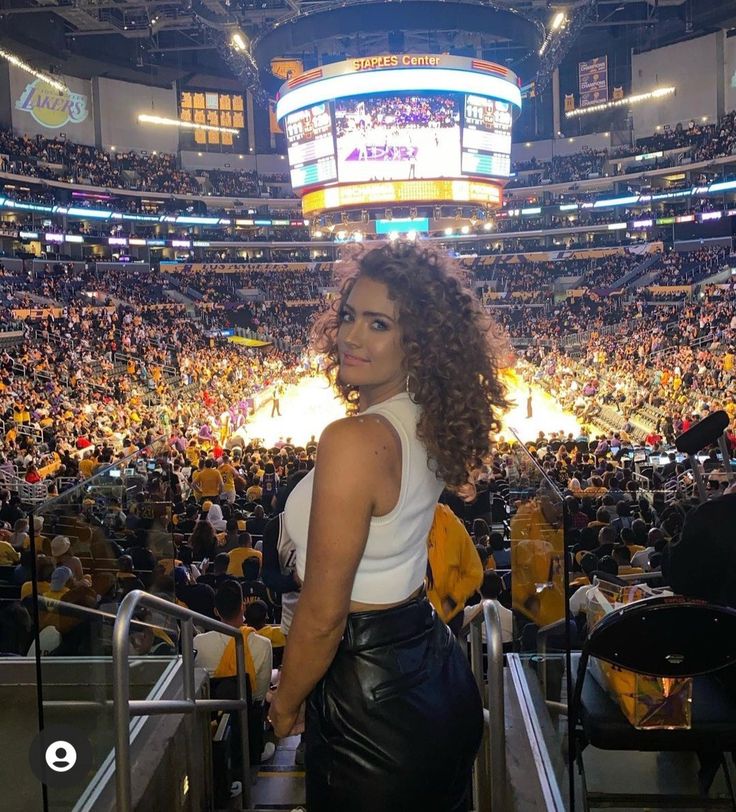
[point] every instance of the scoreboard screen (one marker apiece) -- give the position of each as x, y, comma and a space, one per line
486, 137
311, 146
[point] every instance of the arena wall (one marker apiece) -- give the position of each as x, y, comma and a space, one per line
729, 73
267, 164
695, 68
547, 149
119, 105
6, 119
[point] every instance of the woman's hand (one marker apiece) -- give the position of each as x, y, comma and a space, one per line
286, 721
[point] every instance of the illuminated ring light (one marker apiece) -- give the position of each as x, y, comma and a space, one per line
401, 191
395, 79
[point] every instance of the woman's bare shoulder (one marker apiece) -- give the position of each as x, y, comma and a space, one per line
370, 433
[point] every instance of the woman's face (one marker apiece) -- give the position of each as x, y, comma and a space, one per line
369, 340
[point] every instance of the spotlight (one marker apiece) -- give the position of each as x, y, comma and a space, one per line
559, 20
238, 42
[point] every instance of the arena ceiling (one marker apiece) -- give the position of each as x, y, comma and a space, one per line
159, 41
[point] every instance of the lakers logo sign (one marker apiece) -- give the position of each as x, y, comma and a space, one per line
49, 107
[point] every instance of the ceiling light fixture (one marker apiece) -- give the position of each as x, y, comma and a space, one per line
237, 41
636, 99
558, 20
44, 77
144, 118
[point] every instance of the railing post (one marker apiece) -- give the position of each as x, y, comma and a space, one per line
187, 657
243, 713
121, 698
496, 705
481, 774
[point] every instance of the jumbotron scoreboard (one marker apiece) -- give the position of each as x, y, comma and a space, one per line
399, 128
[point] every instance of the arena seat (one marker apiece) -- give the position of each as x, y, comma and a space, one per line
666, 638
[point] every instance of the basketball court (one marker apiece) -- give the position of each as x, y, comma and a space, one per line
309, 406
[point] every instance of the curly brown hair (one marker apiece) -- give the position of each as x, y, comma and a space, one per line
452, 349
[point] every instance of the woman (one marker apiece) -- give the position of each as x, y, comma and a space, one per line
215, 518
32, 475
19, 538
203, 541
393, 718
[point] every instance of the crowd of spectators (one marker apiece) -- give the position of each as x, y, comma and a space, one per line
273, 282
691, 267
69, 162
562, 168
225, 183
701, 142
666, 365
59, 159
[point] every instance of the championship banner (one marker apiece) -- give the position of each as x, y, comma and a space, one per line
569, 102
287, 68
273, 122
593, 81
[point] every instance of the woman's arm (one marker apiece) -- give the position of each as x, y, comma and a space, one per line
353, 455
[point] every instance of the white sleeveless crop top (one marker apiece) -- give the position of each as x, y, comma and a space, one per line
394, 562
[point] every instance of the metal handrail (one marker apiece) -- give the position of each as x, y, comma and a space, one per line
489, 777
125, 707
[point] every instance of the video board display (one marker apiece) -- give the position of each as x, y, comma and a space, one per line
399, 118
386, 137
486, 137
311, 146
397, 137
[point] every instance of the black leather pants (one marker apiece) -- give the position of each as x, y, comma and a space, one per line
396, 722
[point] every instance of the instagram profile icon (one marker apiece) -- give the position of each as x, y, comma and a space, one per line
60, 756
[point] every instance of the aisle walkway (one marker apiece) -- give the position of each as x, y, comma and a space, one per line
280, 783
